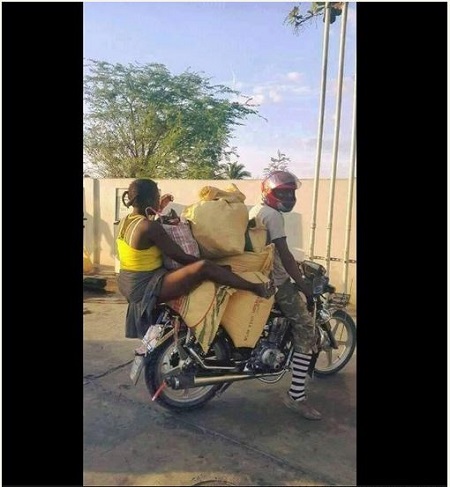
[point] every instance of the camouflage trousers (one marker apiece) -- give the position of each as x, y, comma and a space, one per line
295, 310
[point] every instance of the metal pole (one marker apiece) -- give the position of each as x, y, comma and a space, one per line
336, 135
351, 182
326, 35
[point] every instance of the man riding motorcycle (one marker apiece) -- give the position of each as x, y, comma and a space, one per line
278, 197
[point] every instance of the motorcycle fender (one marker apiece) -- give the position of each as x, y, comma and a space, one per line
342, 314
140, 360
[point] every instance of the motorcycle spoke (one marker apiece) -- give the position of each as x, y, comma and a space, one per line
339, 336
329, 355
186, 395
334, 328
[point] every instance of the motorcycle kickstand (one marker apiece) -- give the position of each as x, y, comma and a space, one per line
312, 365
224, 387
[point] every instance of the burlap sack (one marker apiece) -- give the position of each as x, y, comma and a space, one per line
246, 314
251, 261
230, 194
218, 225
202, 310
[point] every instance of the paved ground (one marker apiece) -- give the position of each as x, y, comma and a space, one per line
246, 437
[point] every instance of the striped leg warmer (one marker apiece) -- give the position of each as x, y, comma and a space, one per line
300, 364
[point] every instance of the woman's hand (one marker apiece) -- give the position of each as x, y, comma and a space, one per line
165, 200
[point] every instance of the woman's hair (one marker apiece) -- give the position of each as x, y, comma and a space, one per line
139, 193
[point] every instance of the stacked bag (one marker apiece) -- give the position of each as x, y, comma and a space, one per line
220, 227
218, 221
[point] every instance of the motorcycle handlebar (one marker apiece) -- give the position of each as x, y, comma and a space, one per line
328, 288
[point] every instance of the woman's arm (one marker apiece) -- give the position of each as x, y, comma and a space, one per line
158, 236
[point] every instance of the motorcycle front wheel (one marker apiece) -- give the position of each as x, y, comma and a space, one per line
165, 358
331, 360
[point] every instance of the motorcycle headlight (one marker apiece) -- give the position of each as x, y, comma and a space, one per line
319, 284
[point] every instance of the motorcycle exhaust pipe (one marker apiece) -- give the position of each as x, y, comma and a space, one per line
176, 383
207, 381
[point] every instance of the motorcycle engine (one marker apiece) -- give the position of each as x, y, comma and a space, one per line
267, 356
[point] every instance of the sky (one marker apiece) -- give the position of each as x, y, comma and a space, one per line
246, 46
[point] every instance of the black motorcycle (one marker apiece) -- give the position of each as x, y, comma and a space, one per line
181, 376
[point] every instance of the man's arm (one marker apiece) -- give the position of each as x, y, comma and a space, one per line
290, 264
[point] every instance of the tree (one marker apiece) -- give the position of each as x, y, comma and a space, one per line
232, 169
142, 121
317, 9
279, 163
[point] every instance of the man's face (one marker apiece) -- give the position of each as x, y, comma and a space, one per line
286, 198
284, 194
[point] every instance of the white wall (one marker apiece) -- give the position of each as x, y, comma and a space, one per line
100, 211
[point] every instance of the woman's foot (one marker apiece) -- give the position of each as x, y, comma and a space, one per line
265, 289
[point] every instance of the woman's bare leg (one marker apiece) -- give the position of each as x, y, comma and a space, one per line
182, 281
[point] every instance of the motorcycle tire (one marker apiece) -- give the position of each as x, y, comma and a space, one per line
182, 399
331, 361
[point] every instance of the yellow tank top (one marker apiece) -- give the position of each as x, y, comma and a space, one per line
133, 259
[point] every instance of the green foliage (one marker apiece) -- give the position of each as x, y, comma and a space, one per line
232, 169
142, 121
279, 163
298, 20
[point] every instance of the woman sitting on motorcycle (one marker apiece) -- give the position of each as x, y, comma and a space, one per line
142, 279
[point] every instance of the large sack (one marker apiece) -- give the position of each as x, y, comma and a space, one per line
218, 225
251, 261
202, 310
231, 194
255, 236
246, 313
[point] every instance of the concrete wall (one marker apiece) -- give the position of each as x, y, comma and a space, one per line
102, 207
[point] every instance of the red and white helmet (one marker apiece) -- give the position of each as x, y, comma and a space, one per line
278, 190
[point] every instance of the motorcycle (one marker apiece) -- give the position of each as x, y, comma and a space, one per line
180, 376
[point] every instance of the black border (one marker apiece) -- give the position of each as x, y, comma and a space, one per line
401, 190
42, 240
402, 243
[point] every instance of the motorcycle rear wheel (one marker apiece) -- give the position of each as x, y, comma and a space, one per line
331, 361
183, 399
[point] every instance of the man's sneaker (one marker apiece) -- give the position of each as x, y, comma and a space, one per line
302, 407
